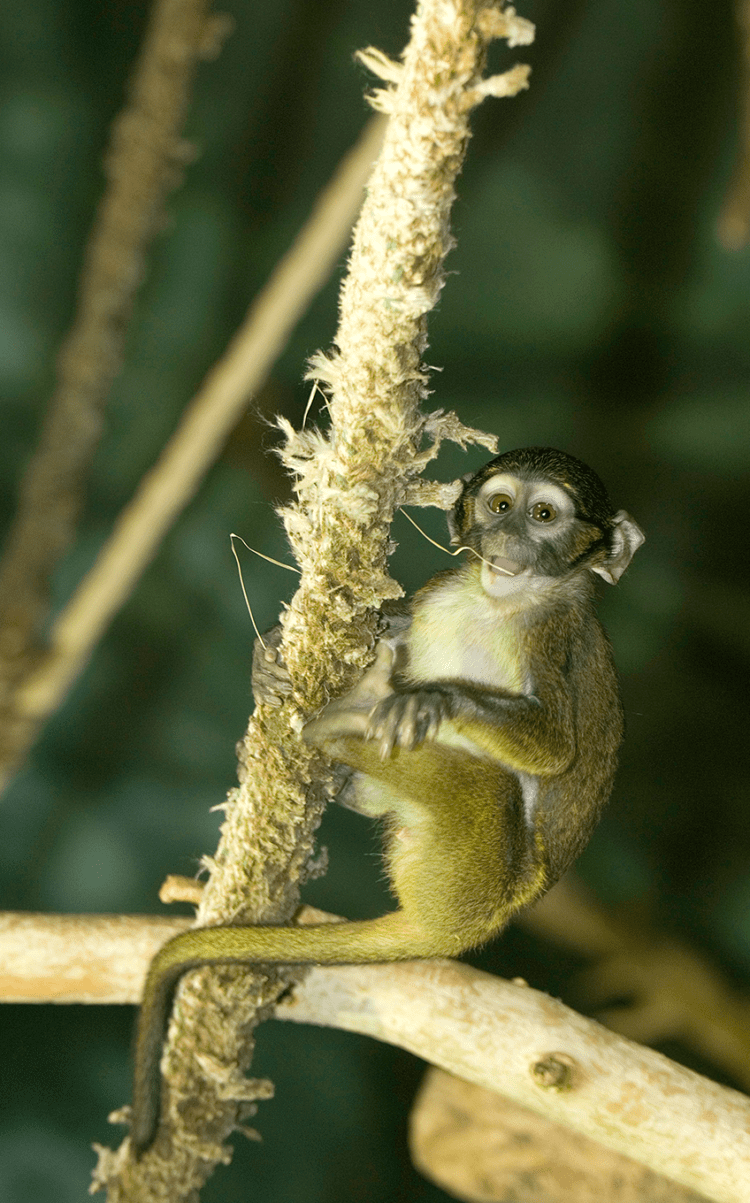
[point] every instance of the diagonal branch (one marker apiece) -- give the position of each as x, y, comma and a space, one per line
195, 444
348, 485
533, 1049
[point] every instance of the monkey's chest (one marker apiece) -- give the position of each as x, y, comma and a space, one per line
455, 643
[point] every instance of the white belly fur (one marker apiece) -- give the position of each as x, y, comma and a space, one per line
459, 633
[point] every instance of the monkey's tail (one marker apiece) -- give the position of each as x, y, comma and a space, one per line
389, 938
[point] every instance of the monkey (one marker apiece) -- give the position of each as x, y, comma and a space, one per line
484, 736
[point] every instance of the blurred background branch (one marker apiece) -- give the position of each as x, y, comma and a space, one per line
195, 444
143, 164
733, 225
483, 1148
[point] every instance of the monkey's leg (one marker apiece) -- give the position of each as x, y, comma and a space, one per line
461, 861
349, 714
461, 854
390, 938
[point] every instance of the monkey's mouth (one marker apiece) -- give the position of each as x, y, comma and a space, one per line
504, 567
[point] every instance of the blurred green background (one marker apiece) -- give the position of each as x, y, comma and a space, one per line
589, 307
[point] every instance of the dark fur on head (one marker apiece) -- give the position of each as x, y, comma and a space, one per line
591, 499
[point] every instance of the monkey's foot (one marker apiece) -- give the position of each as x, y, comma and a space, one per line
270, 676
349, 714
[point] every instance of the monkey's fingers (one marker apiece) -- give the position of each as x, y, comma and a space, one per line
410, 730
433, 718
383, 726
405, 720
422, 714
271, 682
276, 670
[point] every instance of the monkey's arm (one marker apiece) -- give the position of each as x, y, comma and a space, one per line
528, 733
531, 733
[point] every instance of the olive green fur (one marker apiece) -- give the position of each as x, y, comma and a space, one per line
484, 736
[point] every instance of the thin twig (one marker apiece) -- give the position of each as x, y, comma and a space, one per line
348, 486
142, 165
223, 396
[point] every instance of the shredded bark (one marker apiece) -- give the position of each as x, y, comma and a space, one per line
348, 484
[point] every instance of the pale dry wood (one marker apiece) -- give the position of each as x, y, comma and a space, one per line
142, 164
480, 1028
46, 958
79, 958
219, 403
483, 1148
495, 1033
674, 991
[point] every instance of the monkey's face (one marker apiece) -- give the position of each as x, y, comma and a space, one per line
536, 516
526, 529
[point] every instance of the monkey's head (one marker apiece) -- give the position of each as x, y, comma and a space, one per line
538, 514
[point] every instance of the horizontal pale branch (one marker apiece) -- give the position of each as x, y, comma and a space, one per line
79, 958
500, 1035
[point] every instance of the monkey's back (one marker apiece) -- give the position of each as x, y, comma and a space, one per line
570, 805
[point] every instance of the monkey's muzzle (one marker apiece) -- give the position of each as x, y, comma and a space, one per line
505, 567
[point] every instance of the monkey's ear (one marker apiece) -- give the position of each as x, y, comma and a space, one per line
453, 527
627, 537
451, 516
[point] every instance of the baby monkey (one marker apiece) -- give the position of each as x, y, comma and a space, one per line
484, 735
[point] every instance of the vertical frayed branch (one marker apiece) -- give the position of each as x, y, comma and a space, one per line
142, 167
348, 485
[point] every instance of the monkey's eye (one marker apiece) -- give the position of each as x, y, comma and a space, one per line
543, 512
499, 503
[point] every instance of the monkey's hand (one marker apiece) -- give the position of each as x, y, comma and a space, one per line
270, 678
406, 719
350, 714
